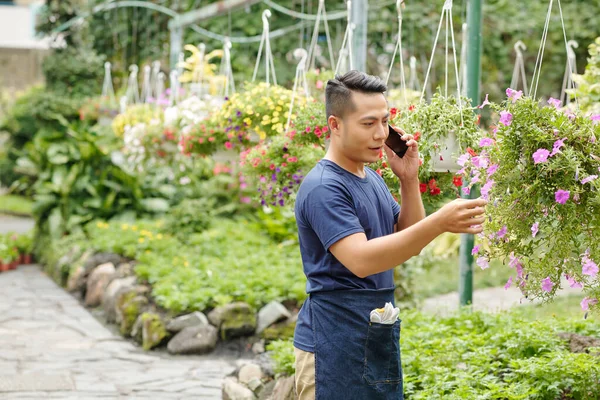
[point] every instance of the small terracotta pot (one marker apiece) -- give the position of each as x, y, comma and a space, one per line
3, 267
13, 265
21, 259
28, 258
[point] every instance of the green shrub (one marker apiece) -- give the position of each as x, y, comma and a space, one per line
283, 356
190, 216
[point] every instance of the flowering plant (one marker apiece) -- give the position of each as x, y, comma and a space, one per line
94, 108
588, 89
431, 124
317, 82
139, 113
539, 170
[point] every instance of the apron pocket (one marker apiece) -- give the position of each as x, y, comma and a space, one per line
382, 354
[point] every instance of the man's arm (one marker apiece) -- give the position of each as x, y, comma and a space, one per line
368, 257
412, 210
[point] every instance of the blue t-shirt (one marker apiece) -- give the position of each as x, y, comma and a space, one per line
333, 203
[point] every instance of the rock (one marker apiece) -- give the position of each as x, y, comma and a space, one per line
109, 299
248, 372
128, 307
101, 258
60, 272
266, 391
194, 340
579, 343
233, 320
185, 321
266, 363
259, 347
97, 283
124, 270
136, 330
284, 389
270, 314
77, 281
282, 330
233, 390
153, 330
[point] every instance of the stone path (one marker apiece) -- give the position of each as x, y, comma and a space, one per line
10, 223
51, 347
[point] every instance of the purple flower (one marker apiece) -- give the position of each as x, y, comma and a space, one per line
515, 263
475, 250
595, 118
480, 162
492, 169
505, 118
462, 160
485, 189
483, 263
589, 179
514, 95
508, 283
535, 229
540, 156
502, 232
486, 142
547, 285
466, 190
555, 102
485, 102
557, 146
561, 196
587, 302
589, 267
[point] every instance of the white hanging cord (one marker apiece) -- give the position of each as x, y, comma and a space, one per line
160, 86
174, 86
266, 42
347, 42
226, 70
570, 70
413, 81
446, 13
446, 63
180, 62
300, 75
321, 13
538, 63
570, 52
519, 70
107, 87
146, 85
463, 61
132, 94
398, 49
198, 73
154, 78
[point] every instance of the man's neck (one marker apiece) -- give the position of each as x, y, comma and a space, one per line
356, 168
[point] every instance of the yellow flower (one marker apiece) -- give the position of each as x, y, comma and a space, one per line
159, 236
278, 108
141, 240
275, 120
134, 228
276, 113
186, 264
124, 227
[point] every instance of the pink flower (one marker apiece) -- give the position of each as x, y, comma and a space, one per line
462, 160
486, 142
466, 190
587, 302
485, 189
480, 162
595, 118
515, 263
555, 102
228, 145
514, 95
483, 263
502, 232
492, 169
485, 102
541, 156
547, 285
475, 250
589, 267
245, 200
573, 283
505, 118
534, 229
589, 179
319, 85
561, 196
508, 283
557, 146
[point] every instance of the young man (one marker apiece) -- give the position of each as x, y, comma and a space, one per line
352, 234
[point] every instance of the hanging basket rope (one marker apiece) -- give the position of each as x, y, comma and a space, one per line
398, 49
266, 43
321, 14
519, 70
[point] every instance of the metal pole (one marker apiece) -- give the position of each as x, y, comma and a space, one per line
474, 23
176, 36
360, 10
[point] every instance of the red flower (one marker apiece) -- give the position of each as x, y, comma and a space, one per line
272, 167
308, 129
478, 119
211, 139
420, 162
378, 172
457, 181
325, 129
292, 159
471, 152
384, 165
381, 154
411, 108
435, 191
284, 165
318, 132
228, 145
432, 184
422, 187
417, 136
393, 112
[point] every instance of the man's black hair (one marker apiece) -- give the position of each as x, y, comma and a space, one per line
338, 100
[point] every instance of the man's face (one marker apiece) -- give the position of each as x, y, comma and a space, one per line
362, 133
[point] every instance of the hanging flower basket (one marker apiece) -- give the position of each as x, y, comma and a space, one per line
539, 169
444, 156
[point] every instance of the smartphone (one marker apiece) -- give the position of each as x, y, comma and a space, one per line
395, 142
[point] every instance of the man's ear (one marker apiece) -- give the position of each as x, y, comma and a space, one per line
334, 124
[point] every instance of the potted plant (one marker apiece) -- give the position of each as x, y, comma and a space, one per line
539, 170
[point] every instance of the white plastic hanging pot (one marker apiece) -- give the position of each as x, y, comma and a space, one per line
443, 159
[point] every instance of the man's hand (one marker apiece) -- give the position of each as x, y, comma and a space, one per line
407, 167
462, 216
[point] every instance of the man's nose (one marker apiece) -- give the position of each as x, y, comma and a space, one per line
382, 132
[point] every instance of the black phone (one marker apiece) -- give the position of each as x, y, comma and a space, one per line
395, 142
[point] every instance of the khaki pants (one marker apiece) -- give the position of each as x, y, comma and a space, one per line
305, 374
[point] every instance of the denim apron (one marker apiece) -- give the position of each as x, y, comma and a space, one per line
355, 358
